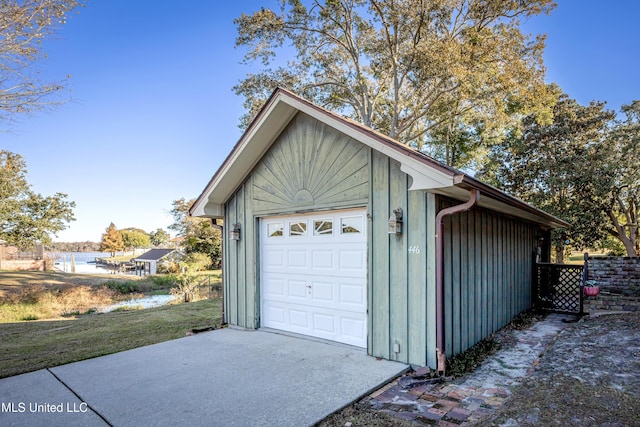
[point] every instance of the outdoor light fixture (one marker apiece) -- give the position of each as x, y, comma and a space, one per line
234, 234
395, 222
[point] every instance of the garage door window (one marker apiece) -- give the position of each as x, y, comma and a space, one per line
322, 227
275, 229
297, 229
351, 225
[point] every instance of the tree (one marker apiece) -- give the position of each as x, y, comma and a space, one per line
159, 237
198, 234
180, 214
134, 238
23, 26
186, 280
403, 67
622, 199
112, 240
561, 168
27, 217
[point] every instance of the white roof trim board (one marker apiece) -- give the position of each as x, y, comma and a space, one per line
427, 173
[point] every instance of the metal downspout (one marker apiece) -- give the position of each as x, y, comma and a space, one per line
215, 225
473, 200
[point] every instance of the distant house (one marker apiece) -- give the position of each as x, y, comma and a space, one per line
148, 262
336, 231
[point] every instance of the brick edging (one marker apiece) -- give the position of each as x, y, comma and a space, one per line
611, 302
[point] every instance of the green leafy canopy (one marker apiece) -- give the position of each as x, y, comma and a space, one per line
25, 216
584, 167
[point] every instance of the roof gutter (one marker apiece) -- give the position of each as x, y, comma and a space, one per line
470, 183
473, 200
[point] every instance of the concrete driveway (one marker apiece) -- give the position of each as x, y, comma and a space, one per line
228, 377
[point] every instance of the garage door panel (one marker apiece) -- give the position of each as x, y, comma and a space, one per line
352, 295
353, 327
352, 260
297, 259
276, 315
323, 291
297, 290
313, 275
273, 258
324, 323
318, 322
341, 293
275, 287
299, 318
322, 259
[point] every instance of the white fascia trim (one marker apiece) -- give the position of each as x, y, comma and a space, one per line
208, 210
435, 179
213, 209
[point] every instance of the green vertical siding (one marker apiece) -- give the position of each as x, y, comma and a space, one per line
431, 210
487, 274
398, 258
313, 167
416, 219
239, 261
309, 167
379, 304
399, 266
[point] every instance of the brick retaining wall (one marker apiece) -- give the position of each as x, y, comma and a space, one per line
617, 275
610, 302
619, 282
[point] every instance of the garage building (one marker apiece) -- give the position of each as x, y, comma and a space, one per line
335, 231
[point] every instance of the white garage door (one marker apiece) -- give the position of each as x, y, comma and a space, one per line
313, 275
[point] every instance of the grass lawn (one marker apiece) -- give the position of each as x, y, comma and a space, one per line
29, 346
11, 279
42, 322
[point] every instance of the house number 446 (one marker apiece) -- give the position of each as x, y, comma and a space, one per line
414, 249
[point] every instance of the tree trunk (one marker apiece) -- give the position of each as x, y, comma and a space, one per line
559, 254
627, 240
628, 245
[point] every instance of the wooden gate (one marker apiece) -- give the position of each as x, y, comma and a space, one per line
557, 287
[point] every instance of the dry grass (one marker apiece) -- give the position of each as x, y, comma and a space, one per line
29, 346
38, 302
35, 295
42, 321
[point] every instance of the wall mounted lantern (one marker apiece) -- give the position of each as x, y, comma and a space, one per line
395, 222
234, 234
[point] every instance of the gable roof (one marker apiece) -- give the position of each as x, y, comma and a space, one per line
154, 255
427, 173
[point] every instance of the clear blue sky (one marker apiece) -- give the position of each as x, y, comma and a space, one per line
153, 114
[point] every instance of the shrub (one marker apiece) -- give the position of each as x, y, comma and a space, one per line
123, 287
164, 281
127, 308
472, 357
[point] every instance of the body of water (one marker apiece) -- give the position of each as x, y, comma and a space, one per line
85, 262
146, 302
